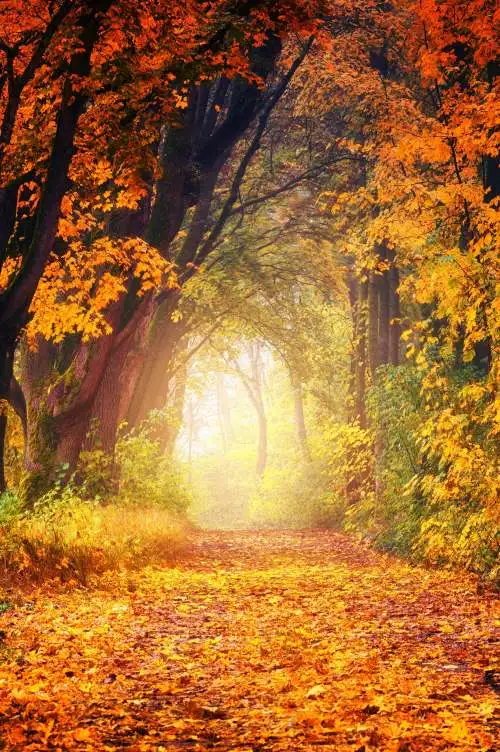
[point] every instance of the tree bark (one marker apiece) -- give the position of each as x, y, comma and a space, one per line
256, 366
59, 403
353, 293
150, 389
372, 327
174, 424
190, 427
394, 313
262, 445
3, 433
360, 408
300, 421
383, 284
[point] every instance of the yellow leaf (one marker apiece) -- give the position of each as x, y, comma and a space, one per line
317, 691
82, 735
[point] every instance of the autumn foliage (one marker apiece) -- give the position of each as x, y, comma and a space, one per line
277, 640
249, 278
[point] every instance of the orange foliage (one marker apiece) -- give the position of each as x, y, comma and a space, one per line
145, 59
277, 641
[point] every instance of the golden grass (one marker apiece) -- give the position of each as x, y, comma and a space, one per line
71, 543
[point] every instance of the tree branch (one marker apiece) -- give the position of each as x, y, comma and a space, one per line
264, 116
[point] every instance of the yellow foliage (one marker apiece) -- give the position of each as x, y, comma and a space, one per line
80, 539
77, 290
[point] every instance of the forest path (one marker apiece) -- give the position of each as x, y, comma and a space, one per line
254, 642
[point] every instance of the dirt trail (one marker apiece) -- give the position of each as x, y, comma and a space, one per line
254, 642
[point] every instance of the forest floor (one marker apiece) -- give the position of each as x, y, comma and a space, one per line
253, 642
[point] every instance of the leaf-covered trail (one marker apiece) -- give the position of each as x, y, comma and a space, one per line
254, 642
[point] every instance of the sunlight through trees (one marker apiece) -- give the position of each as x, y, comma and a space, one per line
249, 280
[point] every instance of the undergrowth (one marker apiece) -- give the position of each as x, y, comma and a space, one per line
427, 501
114, 513
71, 539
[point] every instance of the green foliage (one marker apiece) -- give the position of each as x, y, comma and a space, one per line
392, 516
4, 607
125, 511
14, 447
300, 494
9, 507
95, 474
140, 474
418, 511
146, 475
69, 538
295, 495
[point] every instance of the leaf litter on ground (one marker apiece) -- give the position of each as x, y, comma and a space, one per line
254, 641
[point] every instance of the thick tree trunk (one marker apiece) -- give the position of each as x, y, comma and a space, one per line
59, 397
159, 343
120, 376
53, 439
3, 433
106, 411
52, 450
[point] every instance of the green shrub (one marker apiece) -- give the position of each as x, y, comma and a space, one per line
147, 476
125, 511
434, 470
139, 474
9, 507
71, 539
294, 495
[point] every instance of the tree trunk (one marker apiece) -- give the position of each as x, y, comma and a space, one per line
190, 427
59, 397
394, 314
300, 421
359, 407
256, 366
253, 387
120, 377
3, 432
372, 333
150, 390
226, 428
107, 408
174, 424
262, 445
383, 284
353, 292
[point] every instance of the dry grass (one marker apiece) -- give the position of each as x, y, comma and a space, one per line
72, 543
